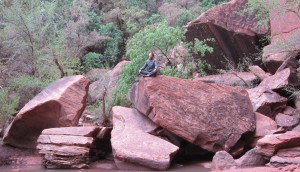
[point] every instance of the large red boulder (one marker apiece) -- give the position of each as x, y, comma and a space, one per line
59, 105
285, 34
133, 147
236, 36
211, 116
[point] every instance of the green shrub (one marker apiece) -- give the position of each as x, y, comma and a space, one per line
184, 17
112, 47
207, 4
26, 87
91, 60
9, 105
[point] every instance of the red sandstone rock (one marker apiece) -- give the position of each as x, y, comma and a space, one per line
244, 79
257, 71
264, 126
223, 161
133, 147
266, 102
59, 105
276, 81
211, 116
73, 131
284, 157
235, 35
252, 158
286, 121
285, 33
270, 144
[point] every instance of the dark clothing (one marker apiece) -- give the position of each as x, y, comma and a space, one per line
149, 68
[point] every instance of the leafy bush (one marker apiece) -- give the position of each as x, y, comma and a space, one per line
27, 87
112, 47
207, 4
91, 60
184, 17
8, 105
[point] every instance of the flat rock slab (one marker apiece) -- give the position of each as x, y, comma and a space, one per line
63, 150
73, 131
66, 140
211, 116
59, 105
284, 157
270, 144
133, 145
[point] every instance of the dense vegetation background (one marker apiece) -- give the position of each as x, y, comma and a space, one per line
44, 40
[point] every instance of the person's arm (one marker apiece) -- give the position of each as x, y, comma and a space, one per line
156, 66
144, 66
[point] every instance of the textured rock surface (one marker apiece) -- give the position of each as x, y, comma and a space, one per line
252, 158
264, 126
73, 131
284, 157
108, 79
285, 33
276, 81
222, 161
269, 144
235, 35
266, 102
64, 157
259, 72
60, 104
133, 147
286, 121
243, 79
67, 147
211, 116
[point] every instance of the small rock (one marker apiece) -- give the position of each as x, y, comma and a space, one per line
266, 102
286, 121
289, 156
222, 161
269, 144
257, 71
252, 158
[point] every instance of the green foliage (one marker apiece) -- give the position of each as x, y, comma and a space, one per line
9, 105
25, 82
94, 23
171, 71
153, 19
207, 4
160, 37
112, 47
184, 17
91, 60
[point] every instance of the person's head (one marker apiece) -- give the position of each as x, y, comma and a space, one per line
151, 56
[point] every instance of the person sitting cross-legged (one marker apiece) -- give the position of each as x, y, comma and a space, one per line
150, 67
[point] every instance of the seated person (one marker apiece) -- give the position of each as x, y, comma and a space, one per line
150, 67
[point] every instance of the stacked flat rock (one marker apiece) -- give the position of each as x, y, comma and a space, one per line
67, 147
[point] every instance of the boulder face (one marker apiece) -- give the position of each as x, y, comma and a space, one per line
285, 33
211, 116
105, 82
235, 35
60, 104
133, 147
